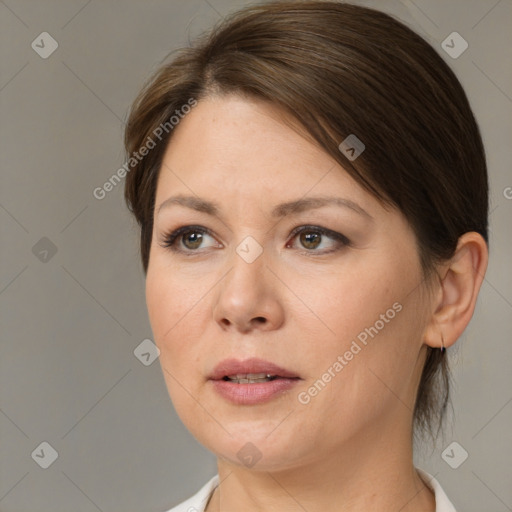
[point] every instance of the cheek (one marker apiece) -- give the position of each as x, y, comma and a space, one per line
370, 318
179, 312
170, 296
345, 303
169, 305
158, 296
169, 310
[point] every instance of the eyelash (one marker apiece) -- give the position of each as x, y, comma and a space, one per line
169, 240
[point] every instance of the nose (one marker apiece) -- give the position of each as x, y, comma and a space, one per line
248, 297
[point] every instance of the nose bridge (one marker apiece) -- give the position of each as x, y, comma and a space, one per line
246, 282
245, 296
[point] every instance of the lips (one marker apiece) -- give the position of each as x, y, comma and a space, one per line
250, 369
251, 382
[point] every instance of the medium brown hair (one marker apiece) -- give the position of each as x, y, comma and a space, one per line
339, 69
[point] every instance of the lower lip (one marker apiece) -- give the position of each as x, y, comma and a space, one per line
250, 394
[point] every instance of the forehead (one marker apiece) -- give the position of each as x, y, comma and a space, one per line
240, 128
234, 145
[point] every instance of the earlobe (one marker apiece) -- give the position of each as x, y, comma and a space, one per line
458, 292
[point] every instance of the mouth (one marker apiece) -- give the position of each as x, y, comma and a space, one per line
250, 378
250, 382
252, 369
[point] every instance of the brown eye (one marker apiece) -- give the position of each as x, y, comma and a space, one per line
192, 239
187, 239
310, 239
318, 240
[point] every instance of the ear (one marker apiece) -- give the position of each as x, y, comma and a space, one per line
456, 297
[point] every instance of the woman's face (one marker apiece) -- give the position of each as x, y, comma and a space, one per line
327, 297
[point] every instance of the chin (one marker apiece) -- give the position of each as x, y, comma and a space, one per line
261, 445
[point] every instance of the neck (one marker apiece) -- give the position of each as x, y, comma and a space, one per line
373, 472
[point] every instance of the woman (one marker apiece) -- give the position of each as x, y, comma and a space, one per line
311, 188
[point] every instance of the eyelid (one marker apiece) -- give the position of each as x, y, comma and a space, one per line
168, 239
319, 229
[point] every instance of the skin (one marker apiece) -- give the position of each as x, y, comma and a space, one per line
299, 306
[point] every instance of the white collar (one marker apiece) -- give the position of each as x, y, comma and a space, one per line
197, 503
443, 504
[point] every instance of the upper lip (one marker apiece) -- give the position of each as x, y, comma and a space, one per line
235, 366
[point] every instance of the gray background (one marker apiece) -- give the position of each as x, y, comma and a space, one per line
71, 320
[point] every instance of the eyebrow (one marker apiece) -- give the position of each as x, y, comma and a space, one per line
281, 210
